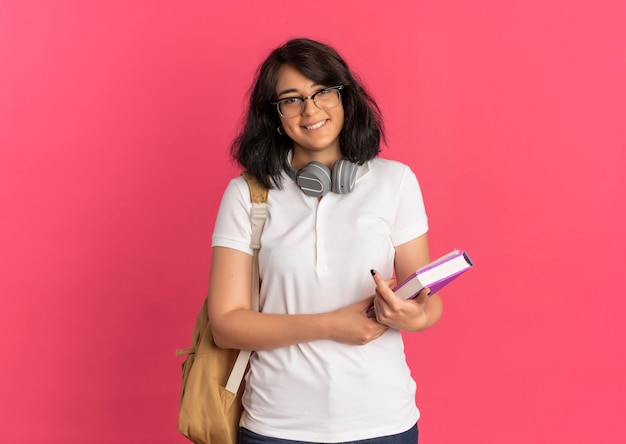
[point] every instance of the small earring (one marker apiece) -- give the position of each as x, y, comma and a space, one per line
281, 130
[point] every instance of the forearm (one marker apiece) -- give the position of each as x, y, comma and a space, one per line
232, 322
429, 316
250, 330
235, 325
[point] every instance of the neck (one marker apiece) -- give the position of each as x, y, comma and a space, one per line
301, 157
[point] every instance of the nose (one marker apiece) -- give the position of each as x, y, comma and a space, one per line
309, 106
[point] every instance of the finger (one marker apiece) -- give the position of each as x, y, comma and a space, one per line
423, 295
378, 309
382, 286
378, 279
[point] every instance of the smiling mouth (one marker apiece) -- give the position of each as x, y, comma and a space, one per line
316, 125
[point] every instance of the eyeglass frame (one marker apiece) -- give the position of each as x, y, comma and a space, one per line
338, 88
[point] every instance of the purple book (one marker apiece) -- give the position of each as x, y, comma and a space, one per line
435, 276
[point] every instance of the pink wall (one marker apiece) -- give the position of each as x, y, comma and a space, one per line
115, 119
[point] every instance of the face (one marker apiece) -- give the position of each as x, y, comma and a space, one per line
315, 133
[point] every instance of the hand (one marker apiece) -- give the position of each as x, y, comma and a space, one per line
350, 325
395, 312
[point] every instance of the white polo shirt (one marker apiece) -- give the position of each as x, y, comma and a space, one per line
316, 257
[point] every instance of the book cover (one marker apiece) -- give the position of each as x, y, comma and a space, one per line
435, 276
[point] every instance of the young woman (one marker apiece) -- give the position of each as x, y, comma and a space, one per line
340, 221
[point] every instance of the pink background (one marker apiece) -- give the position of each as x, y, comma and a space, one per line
115, 121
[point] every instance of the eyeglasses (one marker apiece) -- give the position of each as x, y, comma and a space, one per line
325, 99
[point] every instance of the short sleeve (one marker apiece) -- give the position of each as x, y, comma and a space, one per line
232, 226
410, 219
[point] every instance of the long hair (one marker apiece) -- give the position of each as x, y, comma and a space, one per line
262, 151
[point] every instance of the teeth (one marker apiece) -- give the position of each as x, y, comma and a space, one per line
316, 126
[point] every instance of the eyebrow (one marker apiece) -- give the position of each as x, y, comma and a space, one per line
287, 91
294, 90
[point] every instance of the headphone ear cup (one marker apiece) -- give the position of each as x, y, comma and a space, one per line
314, 179
343, 176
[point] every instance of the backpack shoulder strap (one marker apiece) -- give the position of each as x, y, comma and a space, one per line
258, 215
258, 192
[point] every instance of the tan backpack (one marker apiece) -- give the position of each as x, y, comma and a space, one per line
210, 396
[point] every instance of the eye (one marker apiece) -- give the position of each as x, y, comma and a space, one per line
291, 100
324, 91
